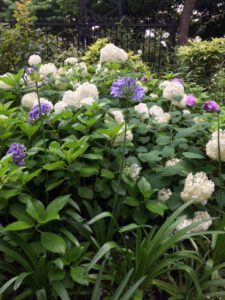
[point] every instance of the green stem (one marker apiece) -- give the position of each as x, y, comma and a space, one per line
43, 136
116, 204
219, 157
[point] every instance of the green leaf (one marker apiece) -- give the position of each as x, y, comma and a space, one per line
150, 157
19, 225
53, 242
107, 174
87, 171
7, 285
54, 166
101, 252
163, 140
85, 192
36, 209
60, 290
122, 286
192, 155
182, 133
29, 129
79, 275
58, 203
157, 207
20, 279
145, 187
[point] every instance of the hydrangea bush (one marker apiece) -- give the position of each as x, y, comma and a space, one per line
90, 148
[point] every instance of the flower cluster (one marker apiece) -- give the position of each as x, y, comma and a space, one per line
164, 195
37, 111
211, 106
71, 61
133, 171
18, 152
48, 69
142, 109
199, 216
173, 91
212, 146
172, 162
86, 93
111, 54
159, 115
34, 60
198, 188
127, 88
118, 116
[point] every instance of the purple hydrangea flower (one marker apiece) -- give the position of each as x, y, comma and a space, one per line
35, 111
179, 80
127, 88
190, 100
211, 106
18, 153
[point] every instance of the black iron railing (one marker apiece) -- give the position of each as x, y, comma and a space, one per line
156, 41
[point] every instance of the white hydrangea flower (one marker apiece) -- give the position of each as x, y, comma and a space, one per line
156, 110
34, 60
71, 99
174, 91
212, 146
202, 216
159, 115
70, 71
133, 171
120, 137
154, 96
164, 195
184, 223
83, 69
118, 115
87, 90
98, 68
198, 216
172, 162
197, 120
48, 69
3, 117
142, 109
60, 106
164, 84
197, 187
111, 54
87, 101
61, 71
186, 112
28, 100
43, 100
71, 61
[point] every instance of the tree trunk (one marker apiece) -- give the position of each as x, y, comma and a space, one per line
185, 18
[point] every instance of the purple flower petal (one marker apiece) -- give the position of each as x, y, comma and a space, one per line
18, 153
211, 106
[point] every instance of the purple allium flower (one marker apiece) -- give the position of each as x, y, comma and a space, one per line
18, 153
35, 111
178, 80
190, 100
127, 88
211, 106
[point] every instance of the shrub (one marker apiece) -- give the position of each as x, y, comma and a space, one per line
201, 60
96, 206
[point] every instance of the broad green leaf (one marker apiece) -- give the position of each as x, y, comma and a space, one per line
79, 275
19, 225
145, 187
54, 166
192, 155
85, 192
157, 207
29, 129
53, 242
150, 157
87, 171
36, 209
107, 174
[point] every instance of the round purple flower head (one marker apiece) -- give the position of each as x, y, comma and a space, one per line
127, 88
178, 80
35, 111
211, 106
190, 100
18, 153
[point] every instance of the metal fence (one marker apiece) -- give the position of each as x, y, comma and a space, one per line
156, 41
